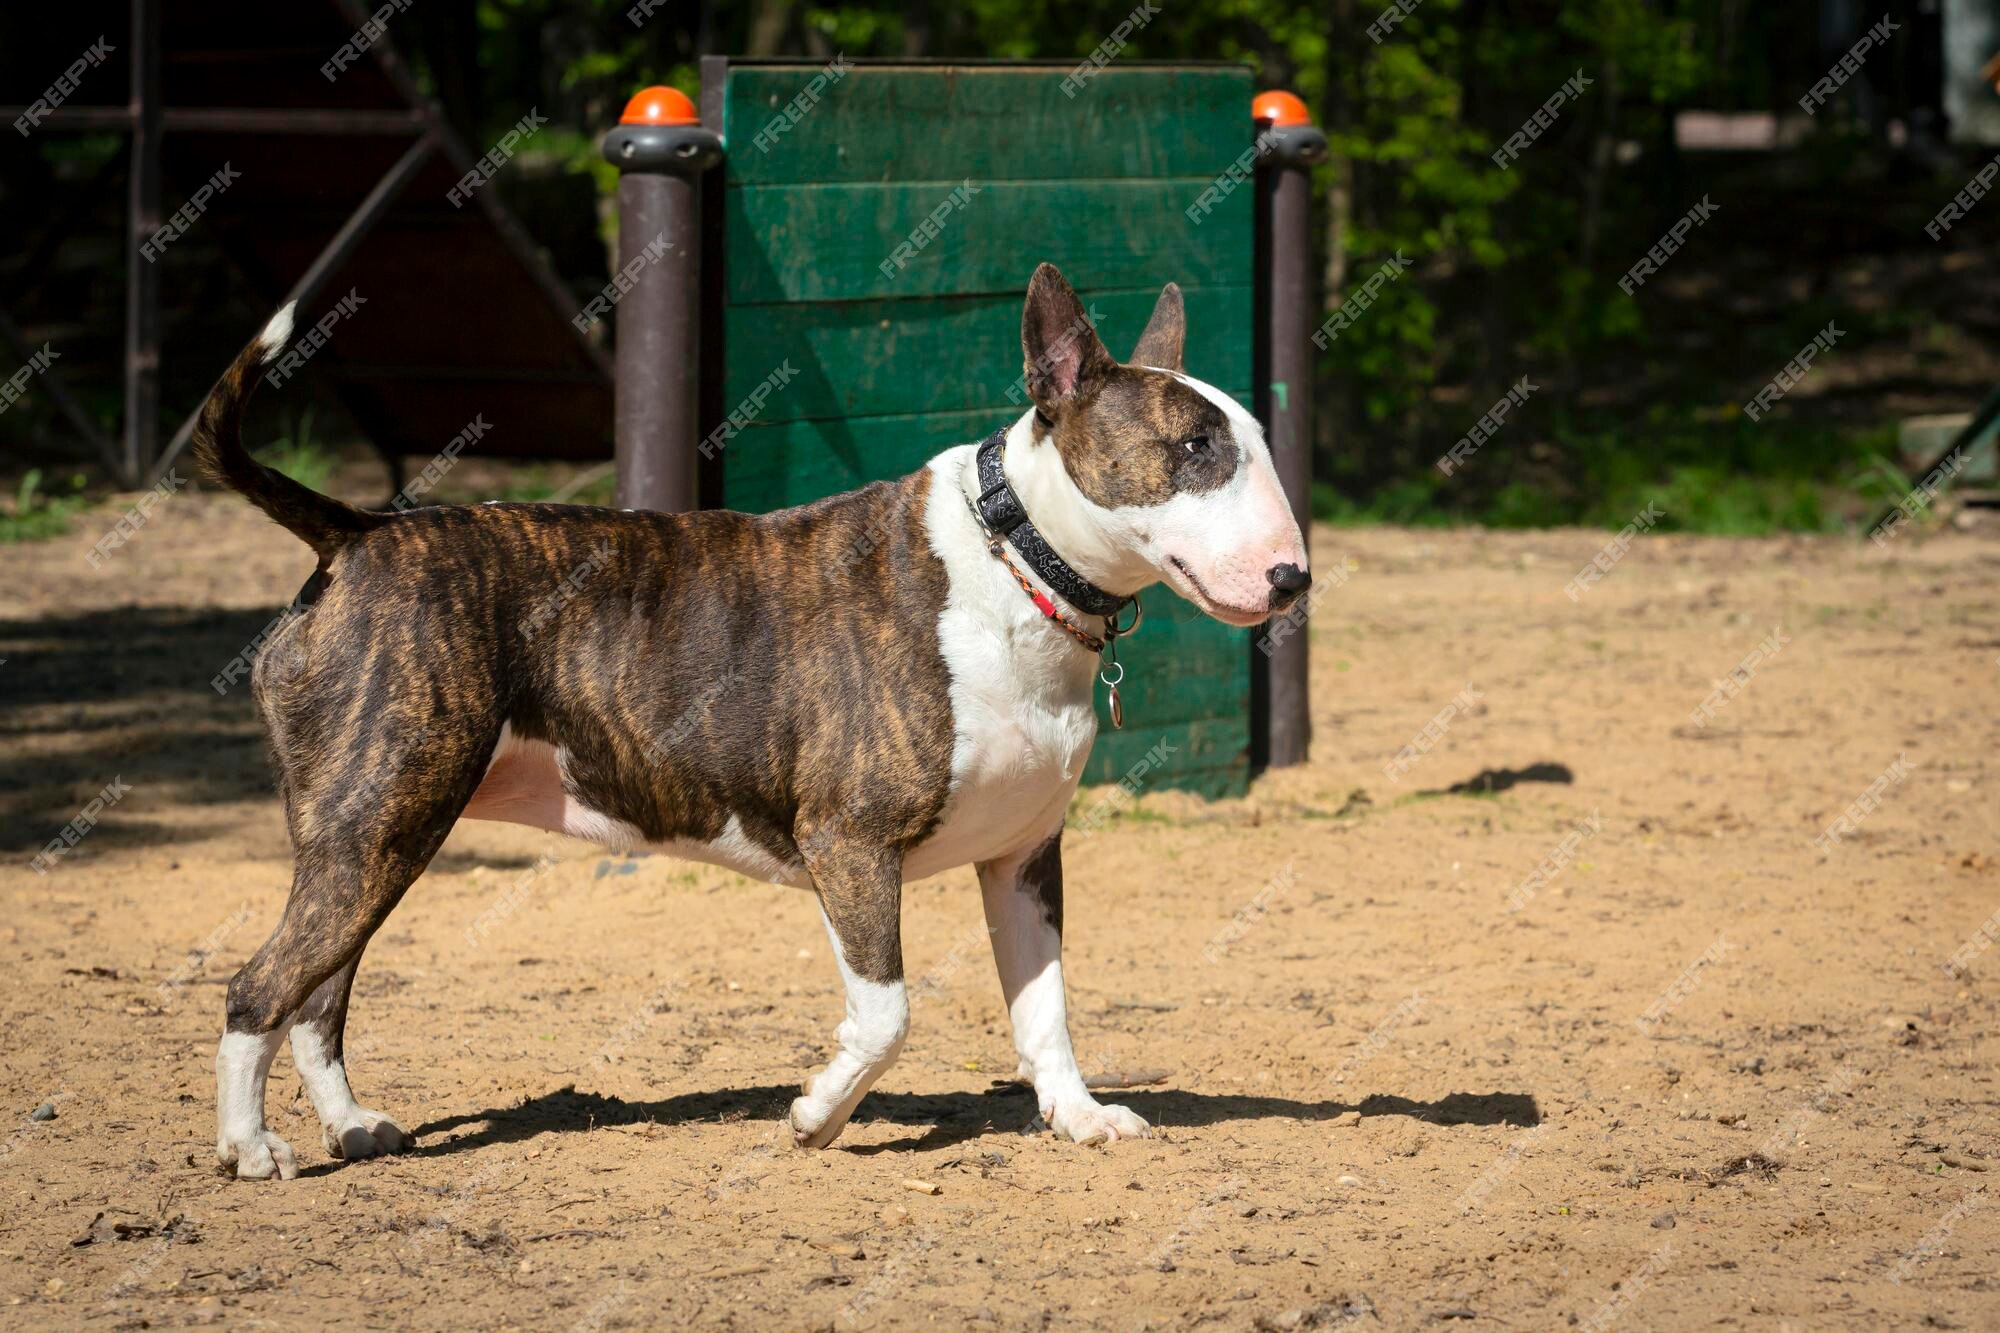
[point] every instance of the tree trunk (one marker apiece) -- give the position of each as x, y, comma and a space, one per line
770, 25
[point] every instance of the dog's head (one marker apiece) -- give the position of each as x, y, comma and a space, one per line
1172, 479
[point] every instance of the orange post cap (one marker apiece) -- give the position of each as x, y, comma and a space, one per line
659, 106
1280, 108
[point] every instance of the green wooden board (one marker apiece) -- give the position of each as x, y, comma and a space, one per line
830, 242
939, 123
1210, 757
769, 466
946, 354
886, 367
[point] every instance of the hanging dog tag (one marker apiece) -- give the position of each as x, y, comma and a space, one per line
1111, 683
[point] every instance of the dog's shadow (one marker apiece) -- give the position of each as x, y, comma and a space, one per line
1492, 781
946, 1118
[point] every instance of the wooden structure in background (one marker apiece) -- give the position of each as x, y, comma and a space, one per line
888, 367
342, 184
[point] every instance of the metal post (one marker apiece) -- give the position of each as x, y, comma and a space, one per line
660, 148
1290, 145
142, 278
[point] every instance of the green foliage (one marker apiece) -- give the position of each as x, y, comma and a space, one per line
299, 456
1513, 268
577, 152
558, 484
1713, 473
34, 516
1409, 502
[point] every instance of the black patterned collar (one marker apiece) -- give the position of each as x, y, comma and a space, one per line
1002, 514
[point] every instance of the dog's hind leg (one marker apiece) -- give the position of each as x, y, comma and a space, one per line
330, 915
356, 856
1024, 913
350, 1129
860, 893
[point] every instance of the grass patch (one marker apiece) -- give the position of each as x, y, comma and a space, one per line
33, 516
536, 482
1707, 470
1411, 502
298, 456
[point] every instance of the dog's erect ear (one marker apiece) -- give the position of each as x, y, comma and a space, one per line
1166, 333
1061, 349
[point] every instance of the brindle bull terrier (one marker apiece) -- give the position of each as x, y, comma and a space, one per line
906, 687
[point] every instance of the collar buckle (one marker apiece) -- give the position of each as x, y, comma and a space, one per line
1000, 509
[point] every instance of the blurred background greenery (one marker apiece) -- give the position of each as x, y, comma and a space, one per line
1515, 271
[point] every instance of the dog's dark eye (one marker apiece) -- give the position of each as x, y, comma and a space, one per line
1196, 445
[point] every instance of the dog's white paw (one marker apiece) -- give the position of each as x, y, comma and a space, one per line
1088, 1122
365, 1133
812, 1127
258, 1156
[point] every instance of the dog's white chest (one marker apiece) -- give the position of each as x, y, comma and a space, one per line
1016, 759
1020, 698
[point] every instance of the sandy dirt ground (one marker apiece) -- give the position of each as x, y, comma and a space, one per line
1578, 1019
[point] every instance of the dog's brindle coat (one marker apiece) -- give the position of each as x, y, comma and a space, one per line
839, 696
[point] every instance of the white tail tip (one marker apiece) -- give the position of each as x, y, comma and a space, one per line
276, 334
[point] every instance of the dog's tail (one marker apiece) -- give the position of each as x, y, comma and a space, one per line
322, 522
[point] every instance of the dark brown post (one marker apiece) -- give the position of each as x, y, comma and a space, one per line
142, 278
1288, 146
660, 149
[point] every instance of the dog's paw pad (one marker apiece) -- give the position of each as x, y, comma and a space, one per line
365, 1134
260, 1156
1090, 1123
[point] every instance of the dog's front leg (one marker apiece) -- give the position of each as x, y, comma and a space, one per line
860, 896
1024, 913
